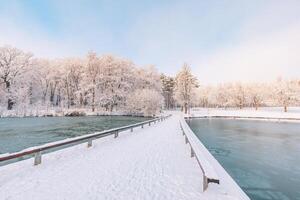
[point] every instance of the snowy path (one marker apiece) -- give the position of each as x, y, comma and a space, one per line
150, 163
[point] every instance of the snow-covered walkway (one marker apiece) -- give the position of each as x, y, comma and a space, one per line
150, 163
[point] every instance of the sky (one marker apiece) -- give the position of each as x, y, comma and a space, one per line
221, 40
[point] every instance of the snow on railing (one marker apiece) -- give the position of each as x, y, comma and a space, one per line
212, 170
37, 151
197, 151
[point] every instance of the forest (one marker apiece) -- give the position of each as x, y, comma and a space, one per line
31, 86
97, 83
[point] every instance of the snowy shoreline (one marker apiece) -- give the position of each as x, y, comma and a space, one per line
67, 113
264, 114
279, 120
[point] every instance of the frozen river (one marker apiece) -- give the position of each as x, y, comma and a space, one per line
19, 133
263, 157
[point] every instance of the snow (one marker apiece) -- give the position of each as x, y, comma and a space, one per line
149, 163
266, 112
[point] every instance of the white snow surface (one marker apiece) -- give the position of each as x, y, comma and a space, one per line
265, 112
150, 163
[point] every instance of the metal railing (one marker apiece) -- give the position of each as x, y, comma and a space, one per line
37, 151
207, 178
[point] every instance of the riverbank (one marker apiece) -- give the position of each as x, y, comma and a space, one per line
265, 113
58, 112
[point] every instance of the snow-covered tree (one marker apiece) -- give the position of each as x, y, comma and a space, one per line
14, 64
148, 77
238, 95
145, 101
223, 95
115, 81
168, 86
72, 76
255, 94
286, 93
91, 74
185, 84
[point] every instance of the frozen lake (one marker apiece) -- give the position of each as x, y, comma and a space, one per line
263, 157
19, 133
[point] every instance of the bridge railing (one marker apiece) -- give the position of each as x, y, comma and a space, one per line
37, 151
198, 151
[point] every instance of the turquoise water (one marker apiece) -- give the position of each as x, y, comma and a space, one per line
19, 133
262, 157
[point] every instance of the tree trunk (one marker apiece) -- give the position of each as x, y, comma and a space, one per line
81, 100
10, 102
185, 108
93, 100
68, 94
58, 99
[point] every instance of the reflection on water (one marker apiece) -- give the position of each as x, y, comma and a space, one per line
263, 157
19, 133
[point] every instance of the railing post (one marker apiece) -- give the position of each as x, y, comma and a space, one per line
38, 158
205, 183
90, 142
116, 134
192, 152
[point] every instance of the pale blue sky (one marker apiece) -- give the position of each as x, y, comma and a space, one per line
222, 40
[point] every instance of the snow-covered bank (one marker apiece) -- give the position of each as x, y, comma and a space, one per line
267, 113
150, 163
64, 112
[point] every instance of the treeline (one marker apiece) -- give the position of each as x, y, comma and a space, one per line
184, 91
95, 82
283, 93
106, 83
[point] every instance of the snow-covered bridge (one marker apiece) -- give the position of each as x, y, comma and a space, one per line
149, 163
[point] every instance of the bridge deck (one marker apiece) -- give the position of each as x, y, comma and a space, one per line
149, 163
